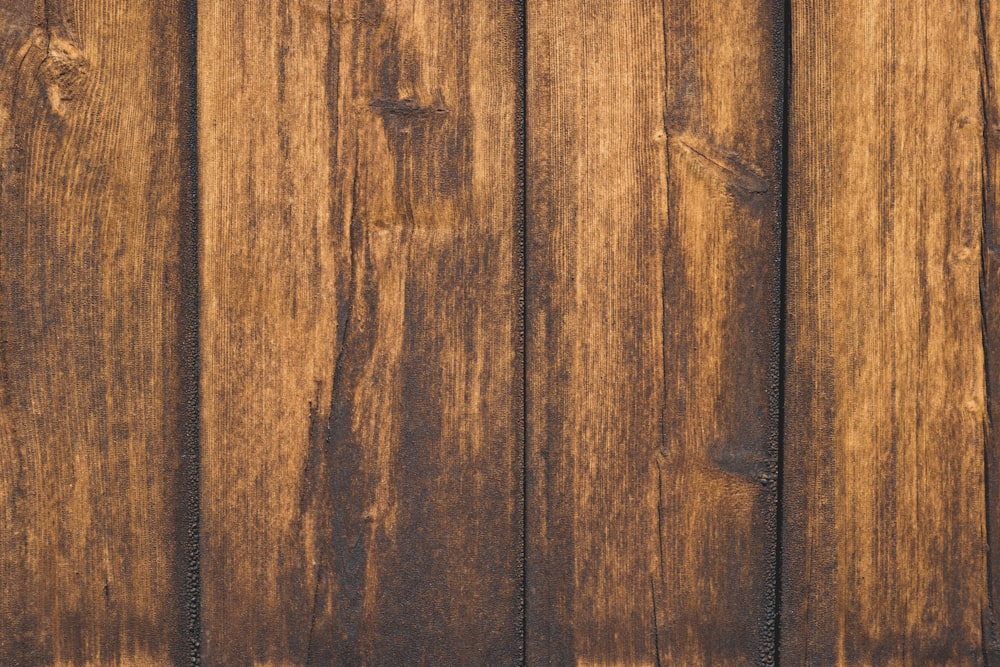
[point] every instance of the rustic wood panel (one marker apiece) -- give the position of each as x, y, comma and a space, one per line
653, 249
96, 432
884, 534
361, 373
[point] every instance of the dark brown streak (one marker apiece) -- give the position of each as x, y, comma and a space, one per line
312, 617
659, 514
406, 107
663, 265
782, 328
522, 198
659, 457
47, 29
17, 72
656, 624
991, 654
46, 22
20, 65
17, 83
343, 322
659, 544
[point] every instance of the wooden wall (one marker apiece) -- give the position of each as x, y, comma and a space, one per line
476, 332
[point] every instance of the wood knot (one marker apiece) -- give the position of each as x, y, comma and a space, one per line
64, 71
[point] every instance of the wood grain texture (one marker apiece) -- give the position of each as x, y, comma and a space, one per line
361, 373
653, 246
94, 186
884, 548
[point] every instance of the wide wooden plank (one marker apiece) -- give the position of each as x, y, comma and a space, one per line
361, 373
653, 246
97, 435
884, 538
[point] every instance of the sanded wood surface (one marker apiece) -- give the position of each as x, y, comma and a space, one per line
885, 534
361, 372
474, 332
96, 234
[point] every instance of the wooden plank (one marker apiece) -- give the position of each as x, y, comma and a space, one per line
884, 548
361, 371
97, 231
653, 246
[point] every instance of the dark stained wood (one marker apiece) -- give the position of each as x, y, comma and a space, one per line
653, 249
95, 510
884, 534
361, 374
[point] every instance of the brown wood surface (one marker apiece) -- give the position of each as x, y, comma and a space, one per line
653, 228
95, 500
884, 541
361, 369
475, 332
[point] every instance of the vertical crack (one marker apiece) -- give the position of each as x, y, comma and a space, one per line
522, 241
322, 438
656, 624
190, 361
665, 353
782, 323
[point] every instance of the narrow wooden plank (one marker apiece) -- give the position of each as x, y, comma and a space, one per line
361, 374
719, 461
94, 192
653, 246
884, 549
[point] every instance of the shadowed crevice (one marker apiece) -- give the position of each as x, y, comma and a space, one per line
190, 353
786, 25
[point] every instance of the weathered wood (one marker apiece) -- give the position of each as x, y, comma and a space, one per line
653, 229
97, 234
361, 368
884, 545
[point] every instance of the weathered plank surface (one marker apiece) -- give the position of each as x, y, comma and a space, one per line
653, 246
94, 188
884, 534
361, 374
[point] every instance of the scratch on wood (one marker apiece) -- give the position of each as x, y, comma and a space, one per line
407, 107
656, 624
734, 172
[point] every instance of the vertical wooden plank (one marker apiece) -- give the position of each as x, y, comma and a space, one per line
718, 466
361, 368
653, 245
884, 556
94, 181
